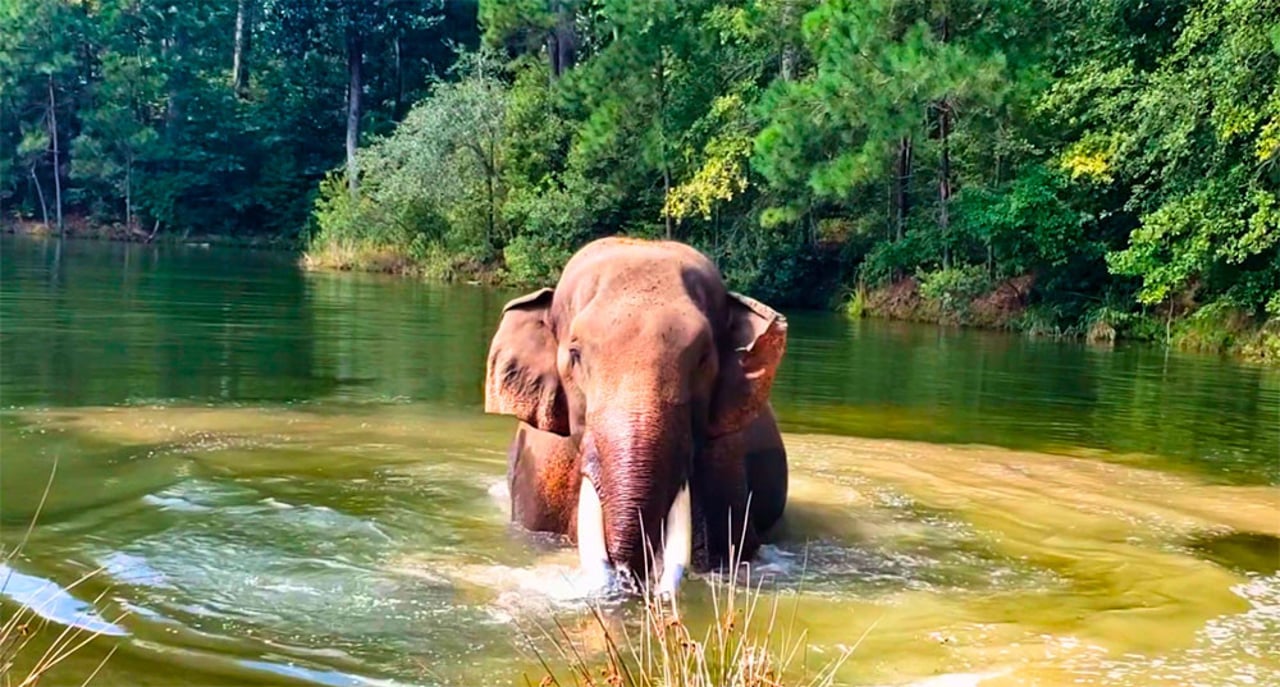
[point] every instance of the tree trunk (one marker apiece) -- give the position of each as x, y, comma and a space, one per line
57, 162
991, 249
399, 64
944, 181
562, 41
44, 206
240, 62
662, 138
355, 55
902, 200
944, 167
491, 171
128, 193
788, 66
177, 83
666, 194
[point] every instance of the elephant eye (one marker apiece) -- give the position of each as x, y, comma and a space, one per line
575, 357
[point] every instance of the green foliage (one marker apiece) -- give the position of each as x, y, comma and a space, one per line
954, 287
1194, 144
552, 222
520, 24
152, 131
1119, 156
855, 305
1028, 223
880, 67
434, 185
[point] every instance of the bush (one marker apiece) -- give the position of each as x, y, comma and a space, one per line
360, 233
431, 191
891, 259
778, 267
552, 221
954, 288
534, 260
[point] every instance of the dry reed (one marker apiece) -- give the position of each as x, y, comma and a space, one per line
747, 645
19, 628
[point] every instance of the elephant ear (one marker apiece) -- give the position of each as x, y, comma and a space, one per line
756, 340
521, 377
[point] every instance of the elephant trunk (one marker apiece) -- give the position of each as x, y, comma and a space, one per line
644, 461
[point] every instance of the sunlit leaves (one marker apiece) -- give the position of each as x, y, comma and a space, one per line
1190, 237
1196, 145
721, 165
723, 175
1090, 158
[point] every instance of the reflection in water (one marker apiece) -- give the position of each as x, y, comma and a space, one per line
117, 323
1248, 552
286, 479
900, 380
50, 601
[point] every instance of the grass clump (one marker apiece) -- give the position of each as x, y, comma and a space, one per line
747, 644
855, 304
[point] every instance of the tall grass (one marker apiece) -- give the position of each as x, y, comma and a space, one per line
23, 663
856, 301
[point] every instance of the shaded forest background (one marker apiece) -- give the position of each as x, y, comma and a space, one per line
1102, 168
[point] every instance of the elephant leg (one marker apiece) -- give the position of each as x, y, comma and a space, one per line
741, 478
720, 495
766, 463
542, 476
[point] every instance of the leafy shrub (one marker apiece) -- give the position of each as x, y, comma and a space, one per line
891, 259
953, 288
553, 221
431, 190
776, 266
534, 259
1027, 223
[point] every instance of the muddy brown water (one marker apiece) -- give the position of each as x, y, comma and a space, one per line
286, 478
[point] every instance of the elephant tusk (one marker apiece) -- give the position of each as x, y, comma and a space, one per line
593, 557
677, 548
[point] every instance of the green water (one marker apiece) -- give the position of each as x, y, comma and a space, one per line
286, 478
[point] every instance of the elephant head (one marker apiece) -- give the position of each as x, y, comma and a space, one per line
642, 356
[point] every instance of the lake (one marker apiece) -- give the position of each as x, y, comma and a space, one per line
286, 478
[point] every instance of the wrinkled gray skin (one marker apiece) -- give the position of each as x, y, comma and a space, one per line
641, 372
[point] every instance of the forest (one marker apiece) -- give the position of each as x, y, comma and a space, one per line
1103, 169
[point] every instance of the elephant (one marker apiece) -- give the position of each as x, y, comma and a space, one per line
645, 434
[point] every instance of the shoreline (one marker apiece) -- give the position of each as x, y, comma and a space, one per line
1006, 307
1003, 308
79, 230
